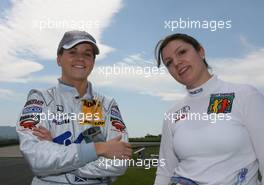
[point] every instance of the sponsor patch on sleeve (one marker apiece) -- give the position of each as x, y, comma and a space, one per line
32, 109
115, 113
30, 115
117, 125
34, 102
29, 121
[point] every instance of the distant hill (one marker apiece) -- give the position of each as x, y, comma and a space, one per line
8, 133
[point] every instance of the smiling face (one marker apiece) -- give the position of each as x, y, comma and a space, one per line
185, 63
76, 63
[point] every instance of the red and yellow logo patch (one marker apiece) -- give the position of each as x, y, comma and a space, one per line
221, 103
92, 111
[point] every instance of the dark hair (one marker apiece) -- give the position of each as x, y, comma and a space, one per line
60, 52
177, 36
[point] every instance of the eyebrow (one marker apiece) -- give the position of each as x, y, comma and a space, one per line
173, 52
89, 50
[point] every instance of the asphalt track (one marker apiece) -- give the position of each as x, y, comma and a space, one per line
15, 171
13, 168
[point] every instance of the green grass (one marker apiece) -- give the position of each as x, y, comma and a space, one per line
137, 176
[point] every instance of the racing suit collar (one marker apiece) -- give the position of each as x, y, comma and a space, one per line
72, 91
204, 89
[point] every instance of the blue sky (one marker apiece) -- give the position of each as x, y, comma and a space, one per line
127, 32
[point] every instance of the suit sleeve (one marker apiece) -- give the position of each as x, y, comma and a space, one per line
254, 111
166, 154
103, 167
45, 157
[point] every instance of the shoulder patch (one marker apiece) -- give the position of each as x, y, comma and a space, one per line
34, 102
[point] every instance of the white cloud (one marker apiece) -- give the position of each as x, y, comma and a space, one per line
16, 70
32, 30
10, 95
5, 93
166, 96
46, 79
246, 44
249, 69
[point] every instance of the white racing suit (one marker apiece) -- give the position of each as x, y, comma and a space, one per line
75, 125
214, 136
